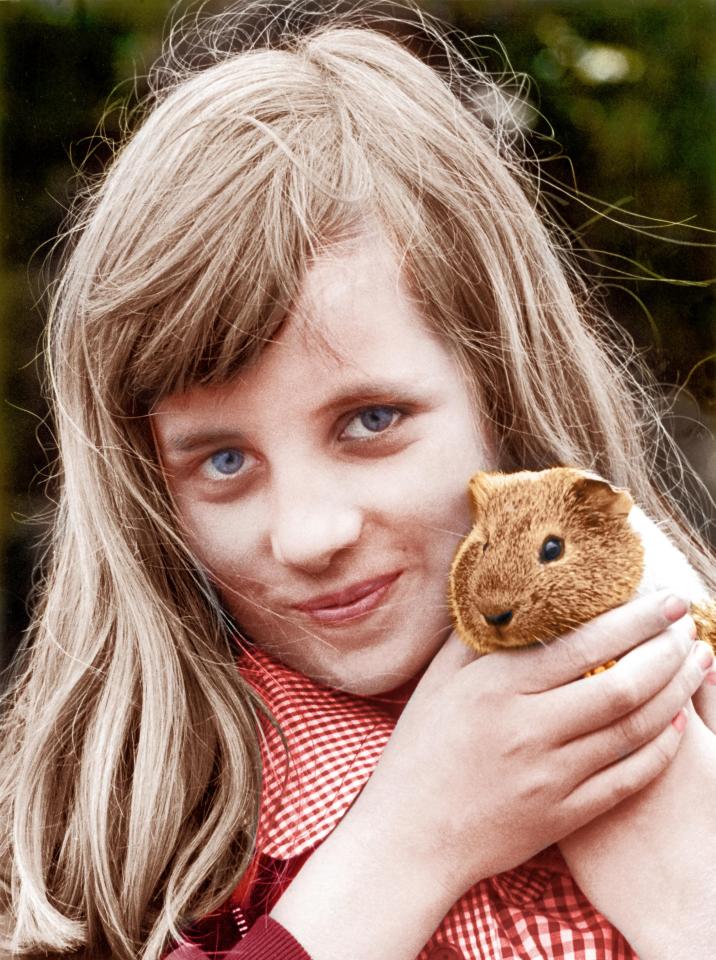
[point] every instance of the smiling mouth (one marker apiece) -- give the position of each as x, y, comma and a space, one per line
355, 601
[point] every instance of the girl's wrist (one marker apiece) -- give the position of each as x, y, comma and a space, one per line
647, 863
363, 893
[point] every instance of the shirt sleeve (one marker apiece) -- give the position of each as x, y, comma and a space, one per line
267, 940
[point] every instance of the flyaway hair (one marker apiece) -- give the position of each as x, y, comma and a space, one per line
129, 765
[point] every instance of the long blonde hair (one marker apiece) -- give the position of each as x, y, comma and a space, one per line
129, 765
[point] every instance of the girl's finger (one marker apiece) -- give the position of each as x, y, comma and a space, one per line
450, 658
605, 789
705, 700
605, 638
602, 748
590, 703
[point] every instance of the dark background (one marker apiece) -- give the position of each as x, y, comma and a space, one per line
628, 90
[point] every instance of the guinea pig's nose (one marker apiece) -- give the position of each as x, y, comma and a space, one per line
499, 619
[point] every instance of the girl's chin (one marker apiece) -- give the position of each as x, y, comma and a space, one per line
381, 662
366, 676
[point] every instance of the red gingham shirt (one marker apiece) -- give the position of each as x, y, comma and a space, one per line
335, 740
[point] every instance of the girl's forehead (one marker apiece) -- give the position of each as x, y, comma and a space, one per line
355, 308
364, 266
354, 332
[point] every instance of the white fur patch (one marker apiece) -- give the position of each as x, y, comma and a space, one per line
665, 566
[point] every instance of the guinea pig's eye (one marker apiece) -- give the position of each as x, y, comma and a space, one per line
551, 549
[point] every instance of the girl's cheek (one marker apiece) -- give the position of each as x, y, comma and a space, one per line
216, 537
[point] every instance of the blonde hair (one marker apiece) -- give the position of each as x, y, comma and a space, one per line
130, 769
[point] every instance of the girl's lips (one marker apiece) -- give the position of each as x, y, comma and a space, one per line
354, 601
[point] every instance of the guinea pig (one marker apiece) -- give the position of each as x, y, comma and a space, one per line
550, 550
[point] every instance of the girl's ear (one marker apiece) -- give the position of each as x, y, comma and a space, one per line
593, 491
481, 485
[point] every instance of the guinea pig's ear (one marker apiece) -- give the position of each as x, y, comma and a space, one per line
593, 491
480, 486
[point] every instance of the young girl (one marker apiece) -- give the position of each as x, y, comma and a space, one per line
309, 299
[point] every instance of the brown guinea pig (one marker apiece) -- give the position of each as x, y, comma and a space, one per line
550, 550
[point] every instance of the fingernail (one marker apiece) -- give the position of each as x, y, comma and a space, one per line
679, 721
705, 658
674, 608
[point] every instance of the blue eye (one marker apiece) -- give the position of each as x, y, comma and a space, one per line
376, 419
227, 462
371, 420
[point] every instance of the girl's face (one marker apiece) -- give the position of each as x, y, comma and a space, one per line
325, 488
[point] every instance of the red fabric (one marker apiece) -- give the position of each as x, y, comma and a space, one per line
334, 741
267, 940
187, 951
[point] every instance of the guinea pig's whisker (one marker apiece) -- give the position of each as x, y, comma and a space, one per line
437, 529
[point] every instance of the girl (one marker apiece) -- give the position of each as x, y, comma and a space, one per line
309, 299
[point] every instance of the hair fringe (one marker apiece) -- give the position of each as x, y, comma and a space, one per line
126, 703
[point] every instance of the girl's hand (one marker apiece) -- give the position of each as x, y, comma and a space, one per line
648, 862
492, 760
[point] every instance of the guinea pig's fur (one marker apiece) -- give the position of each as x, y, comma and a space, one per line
611, 552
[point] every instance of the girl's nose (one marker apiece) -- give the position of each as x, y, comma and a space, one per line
308, 531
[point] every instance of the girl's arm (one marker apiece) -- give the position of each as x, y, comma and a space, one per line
491, 761
650, 863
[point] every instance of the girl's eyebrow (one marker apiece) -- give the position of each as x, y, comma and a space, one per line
355, 393
193, 440
372, 390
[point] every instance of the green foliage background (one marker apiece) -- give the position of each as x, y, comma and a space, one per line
628, 87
